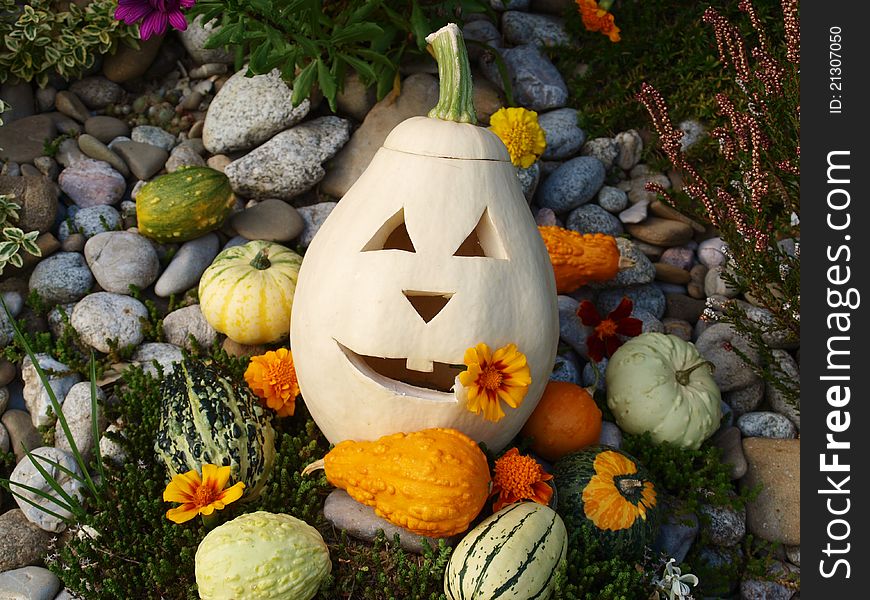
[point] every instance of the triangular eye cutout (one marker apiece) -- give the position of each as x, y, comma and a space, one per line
483, 241
428, 304
392, 235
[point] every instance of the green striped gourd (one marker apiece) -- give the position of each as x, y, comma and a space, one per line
511, 554
184, 204
206, 418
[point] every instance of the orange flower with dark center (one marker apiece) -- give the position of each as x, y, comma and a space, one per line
615, 496
200, 496
272, 377
517, 478
604, 338
492, 378
596, 18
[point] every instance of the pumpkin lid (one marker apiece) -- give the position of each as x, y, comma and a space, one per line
446, 139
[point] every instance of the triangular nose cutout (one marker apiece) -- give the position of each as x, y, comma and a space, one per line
428, 304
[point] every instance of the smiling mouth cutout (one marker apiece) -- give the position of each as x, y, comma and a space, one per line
409, 377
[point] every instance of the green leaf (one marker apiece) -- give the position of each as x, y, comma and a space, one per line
264, 7
419, 25
386, 81
365, 70
95, 422
326, 80
310, 48
302, 83
375, 57
7, 250
360, 32
259, 58
222, 37
6, 483
16, 261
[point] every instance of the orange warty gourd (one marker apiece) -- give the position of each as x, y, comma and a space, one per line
579, 258
432, 482
565, 420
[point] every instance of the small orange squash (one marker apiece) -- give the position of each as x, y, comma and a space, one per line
579, 258
564, 421
432, 482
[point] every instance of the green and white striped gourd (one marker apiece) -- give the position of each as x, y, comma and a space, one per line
511, 554
206, 418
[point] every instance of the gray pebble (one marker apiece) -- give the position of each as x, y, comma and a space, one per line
630, 147
612, 199
188, 265
767, 425
71, 105
604, 149
642, 271
270, 220
566, 368
529, 28
529, 179
787, 367
144, 160
313, 217
545, 217
610, 435
564, 137
77, 411
677, 534
682, 257
180, 324
572, 184
589, 374
62, 277
571, 328
25, 473
729, 441
536, 82
724, 525
97, 91
104, 316
591, 218
717, 345
636, 213
772, 588
106, 128
155, 136
119, 259
165, 355
97, 150
24, 545
710, 252
745, 399
646, 297
183, 155
96, 219
678, 327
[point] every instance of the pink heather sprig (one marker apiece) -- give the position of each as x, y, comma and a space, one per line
792, 30
155, 15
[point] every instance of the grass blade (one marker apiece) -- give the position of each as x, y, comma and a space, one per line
95, 422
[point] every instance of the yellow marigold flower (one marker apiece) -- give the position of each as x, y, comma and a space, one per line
490, 377
519, 477
612, 500
272, 377
596, 18
519, 130
200, 496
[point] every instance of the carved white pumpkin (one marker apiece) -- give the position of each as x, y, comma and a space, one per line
432, 251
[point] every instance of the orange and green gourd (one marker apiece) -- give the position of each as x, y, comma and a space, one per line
579, 258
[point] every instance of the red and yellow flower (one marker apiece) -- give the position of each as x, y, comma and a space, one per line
491, 378
614, 498
200, 495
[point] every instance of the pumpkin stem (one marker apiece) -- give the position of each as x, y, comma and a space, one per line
316, 465
683, 376
626, 486
261, 260
455, 100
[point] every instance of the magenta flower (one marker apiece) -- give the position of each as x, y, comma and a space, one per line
154, 14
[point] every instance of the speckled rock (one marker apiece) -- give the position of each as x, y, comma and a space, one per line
96, 219
536, 82
781, 583
60, 379
529, 28
679, 256
590, 377
641, 272
545, 217
745, 399
565, 368
766, 425
24, 544
774, 514
591, 218
716, 285
604, 149
677, 534
361, 522
529, 179
571, 328
291, 162
22, 140
194, 37
788, 366
724, 525
678, 327
188, 265
90, 182
572, 184
610, 435
180, 324
248, 111
313, 217
104, 316
154, 136
77, 411
564, 137
646, 297
119, 259
612, 199
25, 473
97, 92
717, 345
165, 355
183, 155
711, 252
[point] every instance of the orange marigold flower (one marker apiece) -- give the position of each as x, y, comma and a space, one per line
272, 377
613, 499
491, 377
596, 18
519, 477
200, 496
